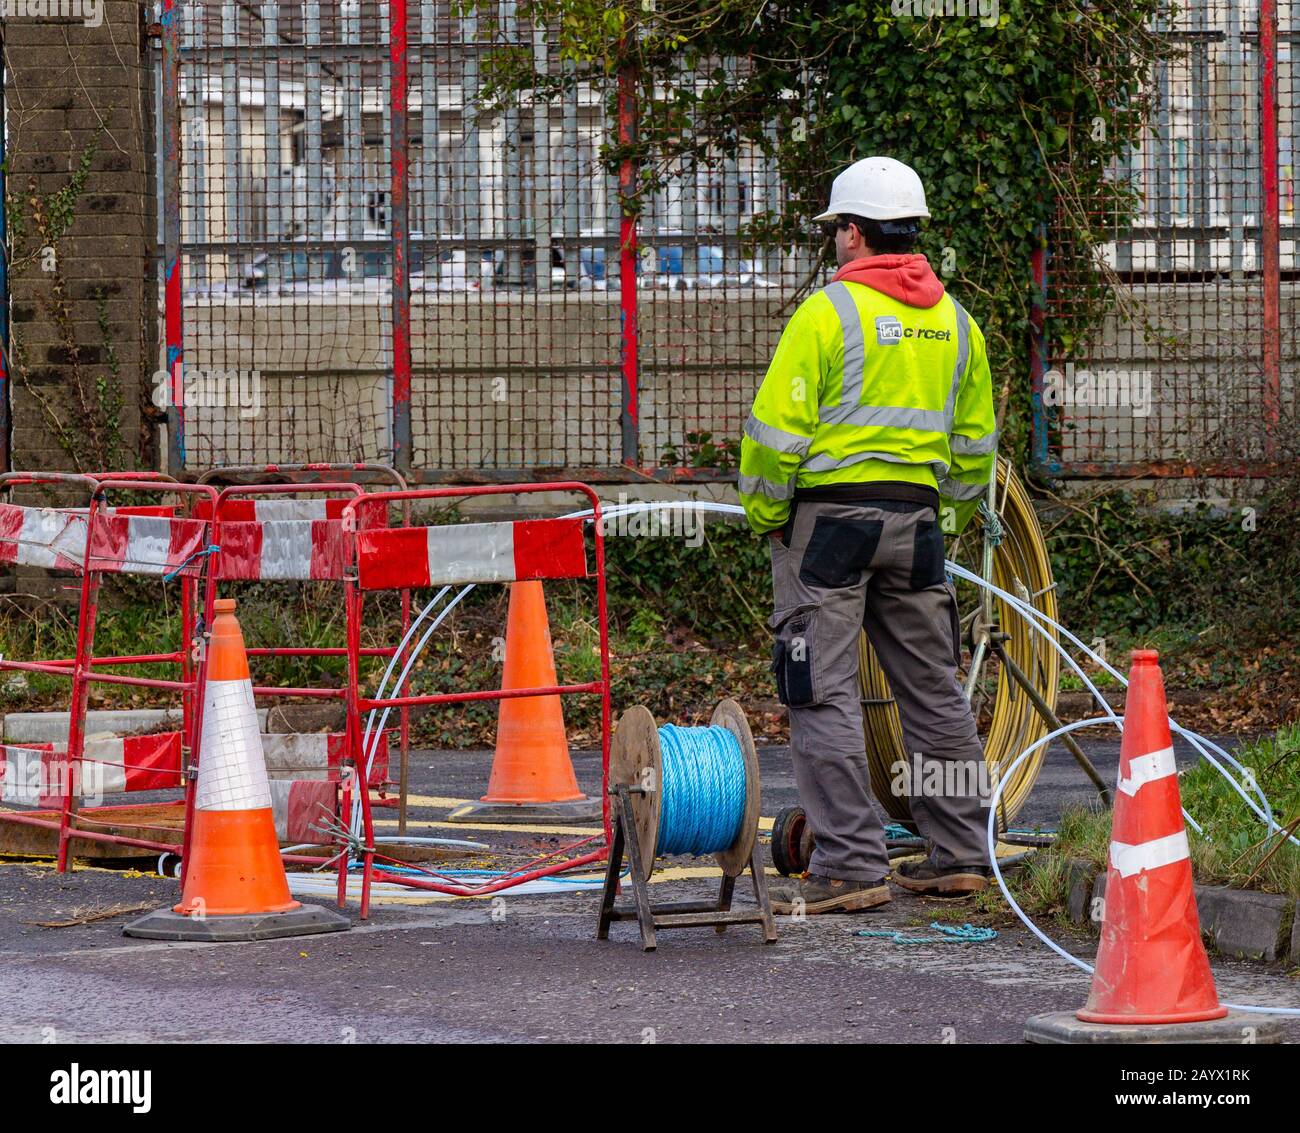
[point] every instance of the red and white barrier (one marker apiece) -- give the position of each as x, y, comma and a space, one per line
284, 540
125, 542
280, 550
38, 774
298, 805
311, 756
402, 558
301, 508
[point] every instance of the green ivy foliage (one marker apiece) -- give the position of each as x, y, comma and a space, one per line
719, 588
1226, 577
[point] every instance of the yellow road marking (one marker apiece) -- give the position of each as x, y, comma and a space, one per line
435, 800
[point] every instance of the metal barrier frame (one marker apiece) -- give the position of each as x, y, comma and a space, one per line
304, 478
356, 703
191, 686
81, 668
351, 651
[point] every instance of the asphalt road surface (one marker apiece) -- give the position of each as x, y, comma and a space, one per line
528, 968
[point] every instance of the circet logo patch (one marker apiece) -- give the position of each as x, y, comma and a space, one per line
889, 331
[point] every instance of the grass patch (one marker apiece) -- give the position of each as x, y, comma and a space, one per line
1234, 849
1071, 682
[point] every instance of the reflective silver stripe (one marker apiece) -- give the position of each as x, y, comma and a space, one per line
963, 352
769, 436
757, 486
964, 446
824, 462
888, 417
855, 354
956, 490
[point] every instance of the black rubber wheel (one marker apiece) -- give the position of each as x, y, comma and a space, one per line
792, 841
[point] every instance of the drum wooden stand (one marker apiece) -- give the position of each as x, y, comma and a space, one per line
635, 776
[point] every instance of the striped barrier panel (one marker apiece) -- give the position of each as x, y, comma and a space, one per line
298, 805
285, 540
409, 557
125, 542
38, 774
312, 756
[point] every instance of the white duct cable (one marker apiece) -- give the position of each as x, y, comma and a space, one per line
355, 823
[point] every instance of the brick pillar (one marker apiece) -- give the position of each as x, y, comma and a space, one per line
81, 189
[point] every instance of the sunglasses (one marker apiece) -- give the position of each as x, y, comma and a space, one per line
830, 227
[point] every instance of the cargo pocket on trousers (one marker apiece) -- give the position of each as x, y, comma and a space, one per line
839, 550
794, 657
927, 555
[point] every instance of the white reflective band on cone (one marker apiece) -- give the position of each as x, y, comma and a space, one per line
232, 771
1147, 769
1129, 860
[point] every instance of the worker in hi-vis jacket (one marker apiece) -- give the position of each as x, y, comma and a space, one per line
872, 434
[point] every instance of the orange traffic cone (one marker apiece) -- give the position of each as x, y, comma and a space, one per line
1151, 966
532, 775
235, 885
1152, 982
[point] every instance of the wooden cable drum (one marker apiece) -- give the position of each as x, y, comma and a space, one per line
637, 760
1020, 567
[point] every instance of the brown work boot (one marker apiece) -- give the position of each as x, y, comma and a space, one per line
936, 881
812, 894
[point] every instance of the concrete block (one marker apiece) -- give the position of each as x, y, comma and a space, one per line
1078, 903
1237, 922
1244, 924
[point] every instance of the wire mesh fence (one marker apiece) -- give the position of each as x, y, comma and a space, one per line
385, 264
539, 337
285, 256
1193, 370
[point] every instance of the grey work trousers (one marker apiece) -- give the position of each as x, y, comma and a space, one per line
876, 565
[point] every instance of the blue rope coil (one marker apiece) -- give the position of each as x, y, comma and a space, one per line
702, 796
894, 832
948, 934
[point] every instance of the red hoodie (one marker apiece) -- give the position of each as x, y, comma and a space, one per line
905, 278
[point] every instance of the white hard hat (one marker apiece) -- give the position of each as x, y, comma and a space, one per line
878, 188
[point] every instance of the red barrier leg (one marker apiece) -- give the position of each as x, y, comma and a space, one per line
79, 703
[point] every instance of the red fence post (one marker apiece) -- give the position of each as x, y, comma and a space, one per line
1270, 231
171, 184
399, 212
627, 261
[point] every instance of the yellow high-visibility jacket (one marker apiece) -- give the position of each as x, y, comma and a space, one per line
865, 387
